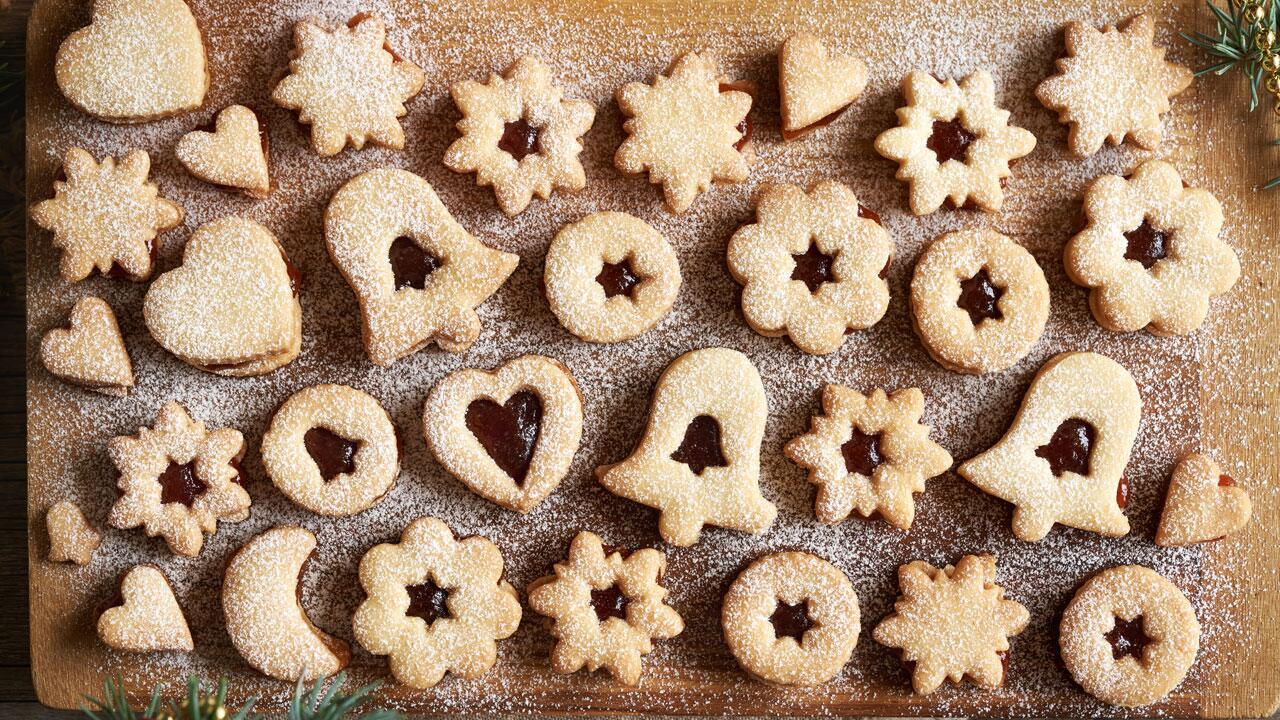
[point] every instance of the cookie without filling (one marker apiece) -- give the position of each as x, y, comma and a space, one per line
148, 617
90, 352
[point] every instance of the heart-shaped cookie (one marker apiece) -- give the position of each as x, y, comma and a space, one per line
233, 155
509, 434
1202, 504
815, 85
137, 60
232, 307
90, 352
148, 617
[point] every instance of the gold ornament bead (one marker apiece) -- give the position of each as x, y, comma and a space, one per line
1277, 107
1271, 63
1273, 85
1255, 13
1265, 40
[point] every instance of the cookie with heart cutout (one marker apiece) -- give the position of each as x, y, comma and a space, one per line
814, 84
1203, 504
90, 352
233, 153
146, 616
71, 537
232, 307
137, 60
508, 434
417, 274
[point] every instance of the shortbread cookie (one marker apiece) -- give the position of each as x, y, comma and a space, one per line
979, 301
699, 460
233, 153
815, 86
262, 604
232, 307
1063, 458
1112, 84
812, 265
1203, 504
137, 60
332, 450
418, 275
105, 217
520, 135
178, 479
610, 277
953, 143
1129, 636
435, 604
952, 624
348, 85
71, 537
605, 607
90, 352
1150, 252
868, 453
687, 129
147, 617
791, 618
509, 435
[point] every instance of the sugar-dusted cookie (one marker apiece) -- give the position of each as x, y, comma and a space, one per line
90, 352
105, 217
610, 277
1063, 458
520, 135
332, 449
417, 273
687, 129
953, 143
1112, 84
699, 460
232, 307
868, 453
605, 607
1129, 636
815, 86
979, 301
952, 624
262, 605
435, 604
1150, 251
348, 85
1203, 504
178, 479
71, 537
509, 434
146, 616
812, 265
233, 153
791, 618
137, 60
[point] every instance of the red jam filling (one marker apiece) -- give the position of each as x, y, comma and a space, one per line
813, 267
700, 448
428, 601
950, 140
791, 620
508, 432
608, 603
410, 264
519, 139
618, 278
1146, 245
1069, 448
333, 454
1128, 638
179, 484
1225, 481
861, 452
980, 298
295, 275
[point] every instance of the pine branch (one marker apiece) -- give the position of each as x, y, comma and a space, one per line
322, 701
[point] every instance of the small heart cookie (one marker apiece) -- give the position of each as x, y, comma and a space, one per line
1202, 504
232, 307
148, 617
233, 155
815, 86
90, 352
71, 537
137, 60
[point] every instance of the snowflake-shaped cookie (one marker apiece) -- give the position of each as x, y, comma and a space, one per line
686, 129
953, 623
178, 479
348, 85
1112, 84
952, 142
519, 135
105, 217
1151, 251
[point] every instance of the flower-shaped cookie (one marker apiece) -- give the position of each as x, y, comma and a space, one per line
868, 453
178, 479
348, 85
687, 129
811, 266
1151, 251
106, 216
606, 608
435, 604
519, 135
1112, 84
952, 142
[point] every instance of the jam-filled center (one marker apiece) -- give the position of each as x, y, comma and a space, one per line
428, 601
950, 140
508, 432
1069, 448
618, 278
519, 139
180, 484
791, 620
813, 267
980, 298
410, 264
1146, 244
333, 454
1128, 637
861, 452
700, 448
609, 602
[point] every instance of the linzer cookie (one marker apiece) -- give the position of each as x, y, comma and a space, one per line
233, 154
1202, 505
71, 537
147, 617
814, 85
90, 352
